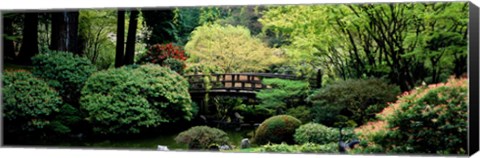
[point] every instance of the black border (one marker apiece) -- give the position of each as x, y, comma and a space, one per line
473, 72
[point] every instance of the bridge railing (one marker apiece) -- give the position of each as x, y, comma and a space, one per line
233, 81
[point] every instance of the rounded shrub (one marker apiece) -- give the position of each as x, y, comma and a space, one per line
29, 104
435, 122
277, 129
174, 64
315, 133
202, 137
63, 71
358, 100
431, 119
127, 99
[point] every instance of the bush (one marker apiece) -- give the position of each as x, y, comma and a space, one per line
201, 137
127, 99
283, 94
304, 148
252, 113
315, 133
300, 112
174, 64
429, 119
29, 104
433, 123
166, 55
277, 129
357, 100
63, 71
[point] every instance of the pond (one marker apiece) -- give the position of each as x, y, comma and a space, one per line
147, 143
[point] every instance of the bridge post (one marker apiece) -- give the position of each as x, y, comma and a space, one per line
319, 78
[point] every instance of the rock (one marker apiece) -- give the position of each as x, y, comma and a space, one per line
162, 148
225, 147
245, 143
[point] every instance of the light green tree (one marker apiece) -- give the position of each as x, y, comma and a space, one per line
229, 49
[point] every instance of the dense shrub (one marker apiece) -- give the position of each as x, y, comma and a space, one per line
429, 119
304, 148
174, 64
283, 94
29, 104
252, 113
315, 133
300, 112
277, 129
127, 99
166, 55
201, 137
63, 71
357, 100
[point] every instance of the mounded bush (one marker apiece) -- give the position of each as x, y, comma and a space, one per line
29, 104
128, 99
315, 133
63, 71
168, 55
202, 137
429, 119
174, 64
277, 129
357, 100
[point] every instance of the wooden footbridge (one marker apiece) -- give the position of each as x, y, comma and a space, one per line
230, 84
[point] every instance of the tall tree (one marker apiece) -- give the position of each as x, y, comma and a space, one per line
95, 32
160, 23
65, 32
8, 42
131, 38
30, 38
120, 38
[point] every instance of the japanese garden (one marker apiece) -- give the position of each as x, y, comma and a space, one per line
324, 78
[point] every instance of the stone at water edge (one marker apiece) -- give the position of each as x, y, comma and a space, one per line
245, 143
162, 148
225, 147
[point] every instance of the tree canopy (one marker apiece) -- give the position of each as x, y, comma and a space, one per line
230, 49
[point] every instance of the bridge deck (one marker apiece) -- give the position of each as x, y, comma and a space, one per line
243, 84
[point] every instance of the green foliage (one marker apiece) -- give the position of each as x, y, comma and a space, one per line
168, 55
302, 113
355, 40
315, 133
252, 113
63, 71
435, 122
304, 148
201, 137
175, 65
356, 100
277, 129
230, 49
29, 104
283, 94
95, 29
129, 99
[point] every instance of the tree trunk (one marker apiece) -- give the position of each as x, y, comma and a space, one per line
8, 47
120, 38
65, 32
132, 32
30, 39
